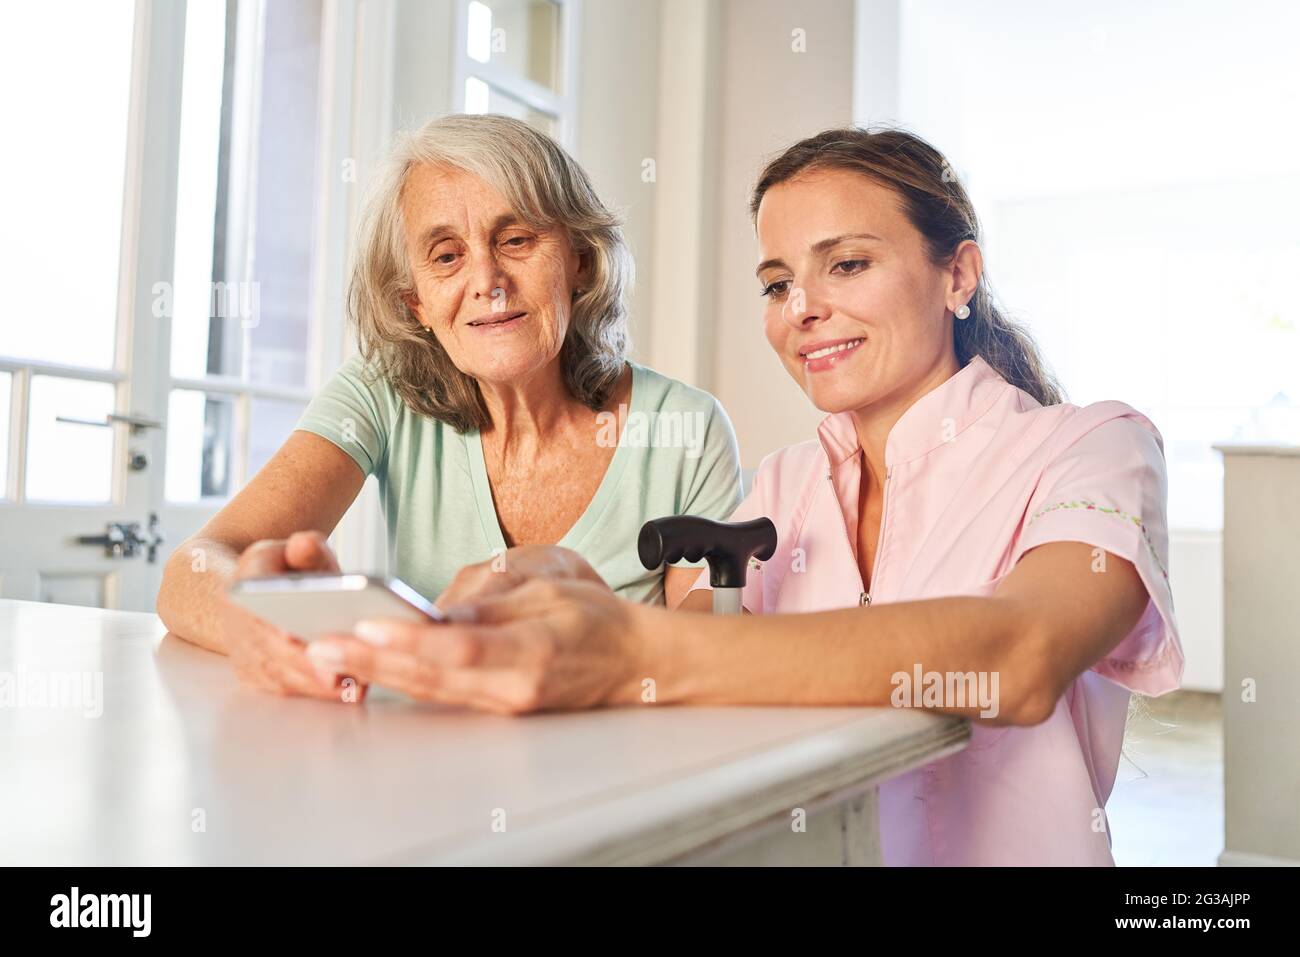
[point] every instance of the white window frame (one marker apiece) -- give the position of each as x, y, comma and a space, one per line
242, 214
563, 105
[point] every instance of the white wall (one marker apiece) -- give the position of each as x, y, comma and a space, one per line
618, 82
1261, 749
770, 97
422, 60
683, 262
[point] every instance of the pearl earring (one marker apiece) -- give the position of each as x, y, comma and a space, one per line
962, 311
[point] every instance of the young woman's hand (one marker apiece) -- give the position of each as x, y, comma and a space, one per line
265, 657
547, 644
512, 568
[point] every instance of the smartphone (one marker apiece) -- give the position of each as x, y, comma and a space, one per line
310, 605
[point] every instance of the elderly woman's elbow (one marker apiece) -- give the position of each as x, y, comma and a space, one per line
169, 600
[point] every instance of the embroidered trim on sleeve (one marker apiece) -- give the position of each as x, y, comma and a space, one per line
1091, 506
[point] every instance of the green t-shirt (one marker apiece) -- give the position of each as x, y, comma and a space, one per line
676, 456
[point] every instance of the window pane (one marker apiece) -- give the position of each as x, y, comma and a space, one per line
246, 208
482, 97
478, 43
65, 71
521, 36
69, 461
199, 447
196, 188
272, 421
277, 340
6, 387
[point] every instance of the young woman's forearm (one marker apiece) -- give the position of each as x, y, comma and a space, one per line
849, 656
193, 582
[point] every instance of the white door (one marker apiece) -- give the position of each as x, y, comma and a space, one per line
160, 336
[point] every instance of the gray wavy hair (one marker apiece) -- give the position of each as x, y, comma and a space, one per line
546, 188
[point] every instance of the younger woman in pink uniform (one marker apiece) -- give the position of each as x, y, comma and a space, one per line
952, 515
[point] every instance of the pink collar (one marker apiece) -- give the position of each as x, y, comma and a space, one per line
936, 418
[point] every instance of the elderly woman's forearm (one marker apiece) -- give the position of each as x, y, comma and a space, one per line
194, 580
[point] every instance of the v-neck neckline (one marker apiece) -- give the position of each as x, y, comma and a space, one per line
609, 482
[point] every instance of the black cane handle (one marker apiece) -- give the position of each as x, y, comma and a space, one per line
726, 546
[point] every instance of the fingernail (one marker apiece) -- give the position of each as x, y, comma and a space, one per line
371, 632
324, 655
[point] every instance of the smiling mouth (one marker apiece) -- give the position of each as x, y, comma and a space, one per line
499, 320
831, 350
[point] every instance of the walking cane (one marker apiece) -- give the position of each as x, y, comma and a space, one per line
726, 546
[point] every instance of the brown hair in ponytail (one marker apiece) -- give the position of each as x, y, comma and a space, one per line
938, 207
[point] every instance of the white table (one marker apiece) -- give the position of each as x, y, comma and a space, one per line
185, 766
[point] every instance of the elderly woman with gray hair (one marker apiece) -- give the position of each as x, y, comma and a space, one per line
492, 399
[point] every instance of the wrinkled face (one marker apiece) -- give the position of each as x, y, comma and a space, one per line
496, 292
855, 308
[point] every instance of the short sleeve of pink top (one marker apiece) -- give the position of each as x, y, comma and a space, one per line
978, 473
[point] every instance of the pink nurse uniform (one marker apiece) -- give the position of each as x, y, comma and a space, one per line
978, 473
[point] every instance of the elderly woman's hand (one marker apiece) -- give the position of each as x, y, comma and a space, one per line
547, 644
265, 657
514, 567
